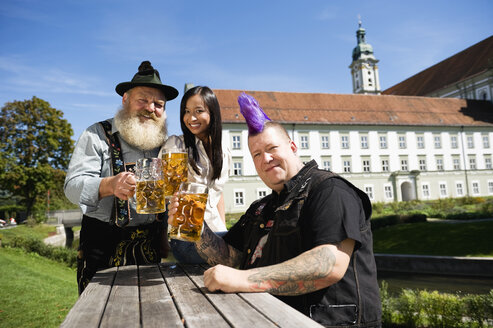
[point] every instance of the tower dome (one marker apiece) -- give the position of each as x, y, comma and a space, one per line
363, 49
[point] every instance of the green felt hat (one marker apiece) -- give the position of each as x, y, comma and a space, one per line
147, 76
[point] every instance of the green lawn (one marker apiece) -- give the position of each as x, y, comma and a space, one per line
39, 231
38, 292
436, 238
34, 291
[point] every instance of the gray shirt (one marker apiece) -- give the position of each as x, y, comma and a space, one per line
90, 163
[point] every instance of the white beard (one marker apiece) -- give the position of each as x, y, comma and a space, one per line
145, 136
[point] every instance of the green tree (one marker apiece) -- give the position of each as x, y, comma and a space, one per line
35, 148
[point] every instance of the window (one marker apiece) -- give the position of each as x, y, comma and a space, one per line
326, 163
470, 142
490, 187
261, 193
453, 142
345, 142
438, 141
388, 192
439, 161
486, 141
426, 190
346, 165
366, 165
456, 162
383, 142
364, 142
304, 141
459, 188
472, 162
237, 167
385, 165
324, 141
305, 159
236, 141
402, 142
475, 188
443, 189
239, 198
404, 166
487, 162
420, 142
369, 191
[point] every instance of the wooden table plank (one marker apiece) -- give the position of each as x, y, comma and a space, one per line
122, 309
270, 306
189, 299
157, 306
89, 309
234, 309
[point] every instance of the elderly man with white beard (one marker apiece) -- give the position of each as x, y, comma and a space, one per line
100, 179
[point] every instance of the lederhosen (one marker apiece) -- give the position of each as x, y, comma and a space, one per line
104, 245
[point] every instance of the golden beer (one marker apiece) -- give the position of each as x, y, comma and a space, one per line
189, 218
175, 169
150, 197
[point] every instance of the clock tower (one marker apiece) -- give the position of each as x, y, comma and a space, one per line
364, 69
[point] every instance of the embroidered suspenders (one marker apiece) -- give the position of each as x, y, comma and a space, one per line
121, 210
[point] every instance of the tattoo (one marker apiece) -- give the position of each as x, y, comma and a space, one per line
300, 275
215, 250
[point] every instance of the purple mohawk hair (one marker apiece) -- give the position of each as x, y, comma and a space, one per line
253, 113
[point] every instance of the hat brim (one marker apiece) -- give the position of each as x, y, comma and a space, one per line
169, 92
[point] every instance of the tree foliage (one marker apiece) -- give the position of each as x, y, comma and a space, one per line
35, 146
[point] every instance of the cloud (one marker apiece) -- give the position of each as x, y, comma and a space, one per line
18, 76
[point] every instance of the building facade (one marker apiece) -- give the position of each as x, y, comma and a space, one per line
395, 148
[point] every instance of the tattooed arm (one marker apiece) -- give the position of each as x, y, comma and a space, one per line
312, 270
210, 247
215, 250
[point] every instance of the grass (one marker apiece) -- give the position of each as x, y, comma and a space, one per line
38, 292
436, 238
34, 291
38, 231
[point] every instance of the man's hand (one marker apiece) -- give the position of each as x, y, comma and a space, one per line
121, 185
226, 279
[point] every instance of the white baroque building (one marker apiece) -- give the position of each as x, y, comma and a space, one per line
401, 145
393, 147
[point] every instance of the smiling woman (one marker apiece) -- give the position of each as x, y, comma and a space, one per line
208, 159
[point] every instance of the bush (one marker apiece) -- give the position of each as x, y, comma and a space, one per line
413, 308
32, 245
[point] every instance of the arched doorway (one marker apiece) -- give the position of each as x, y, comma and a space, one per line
407, 191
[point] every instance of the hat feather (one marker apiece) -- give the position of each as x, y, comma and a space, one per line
253, 113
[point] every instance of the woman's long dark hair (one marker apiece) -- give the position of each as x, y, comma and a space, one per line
214, 130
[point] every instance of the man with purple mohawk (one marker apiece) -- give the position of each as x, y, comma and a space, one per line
309, 242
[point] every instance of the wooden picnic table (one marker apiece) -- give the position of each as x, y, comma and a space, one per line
173, 295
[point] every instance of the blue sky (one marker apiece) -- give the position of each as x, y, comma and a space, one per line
73, 53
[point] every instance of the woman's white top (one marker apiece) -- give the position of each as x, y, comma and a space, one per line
204, 165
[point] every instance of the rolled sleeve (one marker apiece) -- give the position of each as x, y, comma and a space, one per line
89, 163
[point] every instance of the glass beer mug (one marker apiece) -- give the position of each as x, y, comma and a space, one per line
149, 193
189, 218
175, 167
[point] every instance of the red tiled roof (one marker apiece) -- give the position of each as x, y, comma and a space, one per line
322, 108
471, 61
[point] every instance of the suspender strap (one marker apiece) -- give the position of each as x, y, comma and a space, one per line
121, 210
